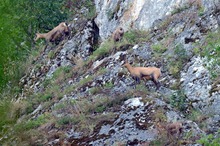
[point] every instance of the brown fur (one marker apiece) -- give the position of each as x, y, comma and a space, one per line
118, 34
172, 130
145, 73
54, 34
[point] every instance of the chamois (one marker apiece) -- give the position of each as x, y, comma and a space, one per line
145, 73
54, 34
118, 34
171, 129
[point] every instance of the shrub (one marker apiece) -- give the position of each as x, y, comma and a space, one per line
104, 49
33, 123
6, 118
178, 100
210, 140
136, 36
158, 48
67, 120
46, 97
100, 108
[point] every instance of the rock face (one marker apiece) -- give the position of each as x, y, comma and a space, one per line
135, 125
141, 114
136, 14
197, 83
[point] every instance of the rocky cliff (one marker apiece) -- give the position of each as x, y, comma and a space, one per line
86, 97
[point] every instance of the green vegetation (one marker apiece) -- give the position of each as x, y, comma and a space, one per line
177, 61
136, 36
159, 48
51, 54
210, 140
195, 115
104, 49
108, 46
210, 50
201, 11
46, 97
75, 5
67, 120
6, 118
20, 20
180, 9
36, 122
178, 100
83, 111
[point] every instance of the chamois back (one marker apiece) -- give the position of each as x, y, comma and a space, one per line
144, 73
56, 33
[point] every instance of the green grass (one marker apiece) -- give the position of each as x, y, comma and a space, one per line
210, 50
17, 42
105, 48
46, 97
177, 60
158, 48
136, 36
92, 10
109, 85
5, 115
67, 120
36, 122
51, 54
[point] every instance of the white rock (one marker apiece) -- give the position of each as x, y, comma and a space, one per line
134, 102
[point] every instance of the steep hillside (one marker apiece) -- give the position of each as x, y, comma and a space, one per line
79, 93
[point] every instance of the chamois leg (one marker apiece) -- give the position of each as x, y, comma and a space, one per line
136, 81
55, 36
157, 83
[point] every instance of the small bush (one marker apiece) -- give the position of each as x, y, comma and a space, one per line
51, 54
95, 90
92, 10
84, 81
201, 11
210, 140
101, 52
67, 120
174, 69
6, 118
158, 48
178, 100
46, 97
35, 123
109, 85
100, 109
136, 36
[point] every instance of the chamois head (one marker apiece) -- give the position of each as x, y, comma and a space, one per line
118, 34
126, 64
36, 37
65, 26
